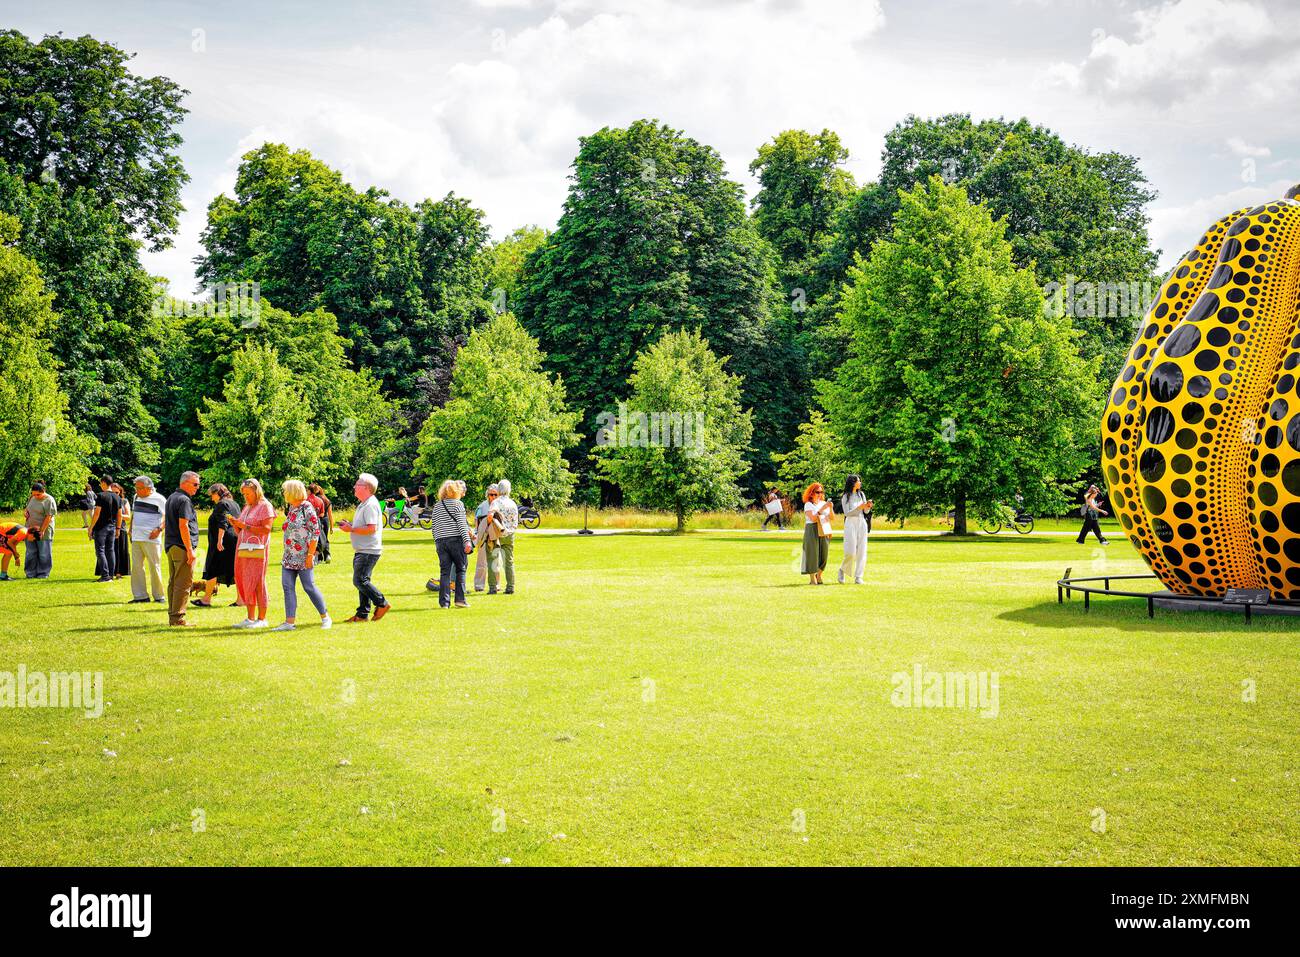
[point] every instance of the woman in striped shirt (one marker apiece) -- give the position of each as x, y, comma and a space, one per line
451, 535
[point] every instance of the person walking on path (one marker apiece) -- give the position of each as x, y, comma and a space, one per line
146, 542
856, 507
1091, 511
301, 539
772, 505
507, 513
451, 535
223, 544
38, 559
254, 527
367, 532
816, 533
180, 534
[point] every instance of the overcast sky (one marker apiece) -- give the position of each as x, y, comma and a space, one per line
488, 97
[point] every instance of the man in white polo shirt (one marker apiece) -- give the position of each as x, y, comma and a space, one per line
367, 531
146, 540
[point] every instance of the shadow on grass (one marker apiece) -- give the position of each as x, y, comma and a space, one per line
1130, 614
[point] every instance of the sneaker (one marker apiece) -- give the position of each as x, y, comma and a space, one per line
160, 601
841, 576
325, 622
245, 623
462, 604
4, 577
382, 610
492, 591
258, 623
285, 626
1105, 543
358, 620
137, 601
432, 585
510, 591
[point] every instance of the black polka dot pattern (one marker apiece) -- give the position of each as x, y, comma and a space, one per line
1201, 432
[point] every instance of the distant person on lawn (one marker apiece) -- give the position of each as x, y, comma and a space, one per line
367, 532
38, 559
180, 537
772, 505
816, 533
223, 544
105, 524
481, 537
254, 527
11, 534
301, 539
87, 503
451, 536
856, 507
325, 510
1091, 511
122, 566
146, 541
507, 513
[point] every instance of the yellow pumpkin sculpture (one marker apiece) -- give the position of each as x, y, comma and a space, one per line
1201, 431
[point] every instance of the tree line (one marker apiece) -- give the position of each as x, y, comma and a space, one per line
895, 327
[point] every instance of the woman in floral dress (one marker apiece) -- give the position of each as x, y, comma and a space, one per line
301, 537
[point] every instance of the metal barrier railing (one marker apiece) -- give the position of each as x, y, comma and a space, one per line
1066, 586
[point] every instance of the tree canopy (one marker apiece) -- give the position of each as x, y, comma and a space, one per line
959, 387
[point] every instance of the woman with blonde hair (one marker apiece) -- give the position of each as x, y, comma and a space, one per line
254, 526
451, 535
301, 538
816, 533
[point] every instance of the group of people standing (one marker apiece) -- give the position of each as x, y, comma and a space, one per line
138, 536
817, 510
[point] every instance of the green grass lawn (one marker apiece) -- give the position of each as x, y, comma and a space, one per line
657, 700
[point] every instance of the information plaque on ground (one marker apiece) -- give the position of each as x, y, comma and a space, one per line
1246, 596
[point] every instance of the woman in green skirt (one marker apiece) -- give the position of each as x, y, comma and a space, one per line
816, 533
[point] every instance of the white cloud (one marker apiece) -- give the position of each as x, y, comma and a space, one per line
1177, 228
1184, 49
1240, 147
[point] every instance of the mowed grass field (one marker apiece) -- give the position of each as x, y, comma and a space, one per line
648, 699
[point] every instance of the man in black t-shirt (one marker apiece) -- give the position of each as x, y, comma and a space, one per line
105, 526
180, 539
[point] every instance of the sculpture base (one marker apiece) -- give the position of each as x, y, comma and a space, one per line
1171, 602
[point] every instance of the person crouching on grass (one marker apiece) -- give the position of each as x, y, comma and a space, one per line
254, 526
816, 533
301, 538
367, 532
11, 533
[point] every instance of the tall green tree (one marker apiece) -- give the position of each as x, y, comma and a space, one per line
818, 456
802, 184
313, 242
505, 263
959, 389
454, 263
506, 418
261, 426
39, 441
655, 237
104, 337
72, 114
680, 440
1069, 213
360, 424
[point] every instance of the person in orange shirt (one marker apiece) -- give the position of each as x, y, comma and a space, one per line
11, 533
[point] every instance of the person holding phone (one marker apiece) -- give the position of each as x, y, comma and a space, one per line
816, 533
857, 507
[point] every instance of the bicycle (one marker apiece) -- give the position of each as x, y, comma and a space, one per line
1004, 516
399, 518
529, 517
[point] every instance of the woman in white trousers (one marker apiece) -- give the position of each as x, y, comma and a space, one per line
855, 506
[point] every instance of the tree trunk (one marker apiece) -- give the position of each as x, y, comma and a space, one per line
959, 513
681, 518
